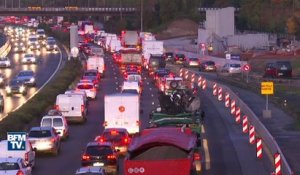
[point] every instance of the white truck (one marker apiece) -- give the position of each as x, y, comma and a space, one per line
115, 45
152, 47
108, 39
122, 110
130, 39
97, 63
89, 29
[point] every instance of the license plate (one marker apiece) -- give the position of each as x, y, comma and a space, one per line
98, 164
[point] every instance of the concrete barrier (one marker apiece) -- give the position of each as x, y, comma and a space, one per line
261, 130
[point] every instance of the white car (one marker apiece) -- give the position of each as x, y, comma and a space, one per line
14, 166
55, 119
89, 88
5, 62
29, 58
131, 85
92, 170
232, 68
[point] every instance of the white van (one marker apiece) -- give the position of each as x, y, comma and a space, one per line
55, 119
28, 154
114, 46
72, 107
122, 110
97, 51
131, 85
80, 93
97, 63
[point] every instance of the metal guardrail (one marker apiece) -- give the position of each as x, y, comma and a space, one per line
260, 129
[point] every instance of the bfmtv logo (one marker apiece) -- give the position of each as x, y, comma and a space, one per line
16, 141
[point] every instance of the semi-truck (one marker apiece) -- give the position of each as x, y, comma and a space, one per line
130, 39
130, 57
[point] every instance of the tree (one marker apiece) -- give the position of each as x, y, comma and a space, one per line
168, 10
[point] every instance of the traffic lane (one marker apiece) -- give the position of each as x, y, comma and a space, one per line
43, 69
245, 153
69, 159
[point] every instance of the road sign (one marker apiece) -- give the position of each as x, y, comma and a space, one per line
267, 88
74, 51
228, 56
246, 67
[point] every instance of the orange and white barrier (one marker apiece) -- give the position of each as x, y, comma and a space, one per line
215, 89
245, 124
259, 148
232, 107
186, 74
277, 160
238, 115
227, 99
251, 134
193, 78
181, 73
204, 84
199, 81
220, 94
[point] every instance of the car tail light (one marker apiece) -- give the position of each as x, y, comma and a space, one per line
26, 156
197, 156
105, 123
111, 156
82, 108
126, 140
85, 157
101, 139
137, 123
52, 140
56, 107
20, 172
94, 89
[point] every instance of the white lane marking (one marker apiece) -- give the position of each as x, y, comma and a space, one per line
150, 89
152, 95
206, 154
60, 60
202, 129
153, 103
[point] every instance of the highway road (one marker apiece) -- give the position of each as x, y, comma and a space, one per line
44, 69
225, 149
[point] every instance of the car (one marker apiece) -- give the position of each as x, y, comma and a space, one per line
161, 72
208, 66
191, 62
135, 77
44, 139
133, 68
278, 69
55, 119
28, 154
92, 75
1, 103
118, 137
29, 58
90, 170
169, 56
51, 45
14, 166
5, 62
132, 85
155, 62
179, 58
19, 47
27, 76
50, 38
232, 68
41, 34
100, 154
16, 87
89, 88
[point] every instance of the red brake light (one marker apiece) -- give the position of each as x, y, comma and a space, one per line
82, 108
126, 140
113, 132
20, 172
197, 156
85, 157
52, 140
111, 156
56, 107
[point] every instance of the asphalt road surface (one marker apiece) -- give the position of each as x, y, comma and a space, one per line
46, 66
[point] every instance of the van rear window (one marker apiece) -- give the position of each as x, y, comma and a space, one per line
85, 86
9, 166
57, 122
40, 134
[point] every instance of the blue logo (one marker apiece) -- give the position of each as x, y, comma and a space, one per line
16, 141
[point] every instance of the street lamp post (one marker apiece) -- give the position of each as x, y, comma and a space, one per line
142, 15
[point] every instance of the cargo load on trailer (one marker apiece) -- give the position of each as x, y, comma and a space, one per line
130, 57
130, 39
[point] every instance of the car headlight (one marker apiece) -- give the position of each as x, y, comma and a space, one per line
55, 46
22, 88
32, 79
36, 42
8, 89
38, 46
1, 80
48, 46
7, 62
16, 49
23, 48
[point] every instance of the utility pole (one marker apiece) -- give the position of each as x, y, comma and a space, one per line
121, 15
142, 7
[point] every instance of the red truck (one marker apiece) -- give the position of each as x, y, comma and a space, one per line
163, 150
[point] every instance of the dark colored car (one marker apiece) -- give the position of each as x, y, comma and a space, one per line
100, 154
169, 56
1, 103
92, 75
278, 69
162, 72
16, 87
156, 62
179, 58
208, 66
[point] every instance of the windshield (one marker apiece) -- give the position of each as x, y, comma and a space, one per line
130, 91
235, 65
193, 59
27, 73
210, 63
39, 134
90, 74
57, 122
98, 150
113, 136
51, 42
9, 166
41, 32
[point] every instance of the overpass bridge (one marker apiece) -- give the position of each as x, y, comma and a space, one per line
71, 10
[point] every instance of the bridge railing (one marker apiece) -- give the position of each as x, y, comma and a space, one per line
63, 9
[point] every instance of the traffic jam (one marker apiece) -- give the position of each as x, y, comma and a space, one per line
123, 147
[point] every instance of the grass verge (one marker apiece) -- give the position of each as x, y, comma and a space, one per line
37, 106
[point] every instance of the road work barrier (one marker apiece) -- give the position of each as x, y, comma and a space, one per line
260, 130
